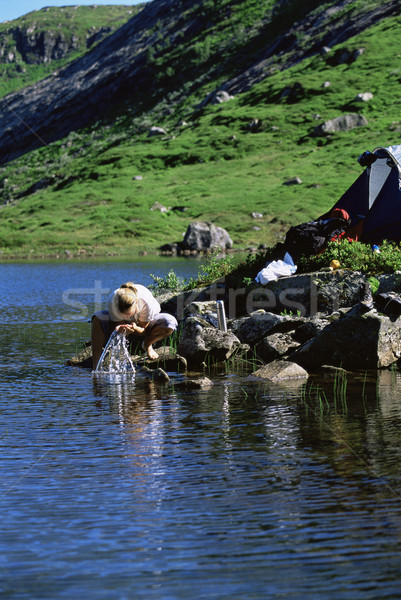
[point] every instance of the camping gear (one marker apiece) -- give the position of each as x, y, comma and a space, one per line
374, 200
312, 237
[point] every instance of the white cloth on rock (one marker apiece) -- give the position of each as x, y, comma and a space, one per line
276, 269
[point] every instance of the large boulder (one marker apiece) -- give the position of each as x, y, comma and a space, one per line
358, 340
257, 325
306, 294
200, 341
203, 236
342, 123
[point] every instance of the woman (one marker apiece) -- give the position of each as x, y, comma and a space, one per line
131, 309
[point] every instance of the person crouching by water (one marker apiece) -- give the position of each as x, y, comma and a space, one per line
131, 309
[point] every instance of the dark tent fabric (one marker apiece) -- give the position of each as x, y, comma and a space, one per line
383, 222
374, 199
356, 199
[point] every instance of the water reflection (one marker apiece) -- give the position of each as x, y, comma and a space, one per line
243, 490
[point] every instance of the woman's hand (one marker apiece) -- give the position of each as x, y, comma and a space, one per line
127, 328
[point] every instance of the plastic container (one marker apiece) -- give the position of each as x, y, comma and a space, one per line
221, 315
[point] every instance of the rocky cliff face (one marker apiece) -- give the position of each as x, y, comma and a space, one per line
86, 89
54, 33
119, 69
35, 47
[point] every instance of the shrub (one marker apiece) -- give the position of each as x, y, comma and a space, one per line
356, 256
170, 283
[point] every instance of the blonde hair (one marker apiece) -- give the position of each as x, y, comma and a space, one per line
127, 295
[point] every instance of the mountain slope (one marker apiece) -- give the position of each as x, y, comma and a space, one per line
97, 188
124, 68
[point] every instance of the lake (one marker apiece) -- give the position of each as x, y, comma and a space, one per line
117, 488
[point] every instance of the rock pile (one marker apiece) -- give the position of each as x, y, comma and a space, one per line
330, 328
312, 320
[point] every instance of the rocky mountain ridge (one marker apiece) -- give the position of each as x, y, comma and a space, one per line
53, 33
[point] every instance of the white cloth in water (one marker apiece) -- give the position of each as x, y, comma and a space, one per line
276, 269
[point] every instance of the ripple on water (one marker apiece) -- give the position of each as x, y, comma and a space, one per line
118, 488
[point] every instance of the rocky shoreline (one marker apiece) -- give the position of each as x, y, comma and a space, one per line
291, 328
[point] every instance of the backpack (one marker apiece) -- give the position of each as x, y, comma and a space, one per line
312, 237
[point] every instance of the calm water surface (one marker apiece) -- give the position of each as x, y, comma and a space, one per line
120, 489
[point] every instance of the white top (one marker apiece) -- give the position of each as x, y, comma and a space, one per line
146, 310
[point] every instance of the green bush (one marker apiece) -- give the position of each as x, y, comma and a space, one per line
356, 256
170, 283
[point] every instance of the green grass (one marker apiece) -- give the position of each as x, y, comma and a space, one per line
214, 166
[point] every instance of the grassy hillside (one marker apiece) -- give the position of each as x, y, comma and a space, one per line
84, 191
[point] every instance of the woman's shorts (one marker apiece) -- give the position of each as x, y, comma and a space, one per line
160, 320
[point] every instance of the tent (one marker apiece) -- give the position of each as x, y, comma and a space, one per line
374, 200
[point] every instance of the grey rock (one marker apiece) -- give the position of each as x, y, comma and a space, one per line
175, 303
82, 359
308, 294
345, 56
200, 341
158, 206
358, 340
200, 308
255, 125
281, 370
154, 131
169, 249
342, 123
275, 346
168, 360
206, 236
293, 181
363, 97
310, 329
390, 283
202, 383
221, 96
253, 328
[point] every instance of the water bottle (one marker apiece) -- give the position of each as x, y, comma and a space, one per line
221, 315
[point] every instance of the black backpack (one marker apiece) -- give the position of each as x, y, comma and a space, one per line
312, 237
